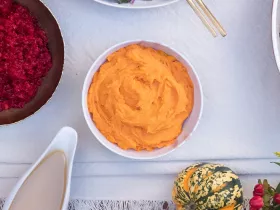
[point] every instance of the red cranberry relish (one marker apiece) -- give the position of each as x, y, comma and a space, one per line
24, 55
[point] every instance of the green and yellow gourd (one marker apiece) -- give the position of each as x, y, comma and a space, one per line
208, 186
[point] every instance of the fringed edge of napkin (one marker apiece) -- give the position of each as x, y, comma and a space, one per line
79, 204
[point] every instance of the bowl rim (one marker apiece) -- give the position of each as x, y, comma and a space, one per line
125, 5
90, 122
275, 34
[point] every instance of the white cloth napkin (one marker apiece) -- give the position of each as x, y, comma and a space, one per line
241, 86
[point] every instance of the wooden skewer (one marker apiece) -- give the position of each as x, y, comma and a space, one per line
212, 17
202, 18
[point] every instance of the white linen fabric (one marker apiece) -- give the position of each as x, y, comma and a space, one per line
241, 84
122, 205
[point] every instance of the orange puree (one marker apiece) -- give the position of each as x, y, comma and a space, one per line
140, 97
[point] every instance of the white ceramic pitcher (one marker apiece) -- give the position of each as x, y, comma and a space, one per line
66, 141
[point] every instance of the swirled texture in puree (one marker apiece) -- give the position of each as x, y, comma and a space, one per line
140, 97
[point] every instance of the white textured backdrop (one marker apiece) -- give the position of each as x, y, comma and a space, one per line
240, 125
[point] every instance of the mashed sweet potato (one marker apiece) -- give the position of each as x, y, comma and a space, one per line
140, 97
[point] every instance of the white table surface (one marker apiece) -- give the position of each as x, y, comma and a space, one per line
240, 125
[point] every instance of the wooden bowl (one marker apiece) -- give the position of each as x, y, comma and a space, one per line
56, 46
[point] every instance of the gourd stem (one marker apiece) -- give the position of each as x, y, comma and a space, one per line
191, 206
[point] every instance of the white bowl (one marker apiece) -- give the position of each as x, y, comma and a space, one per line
138, 4
189, 125
276, 30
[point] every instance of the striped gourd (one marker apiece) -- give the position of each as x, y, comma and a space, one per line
208, 186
